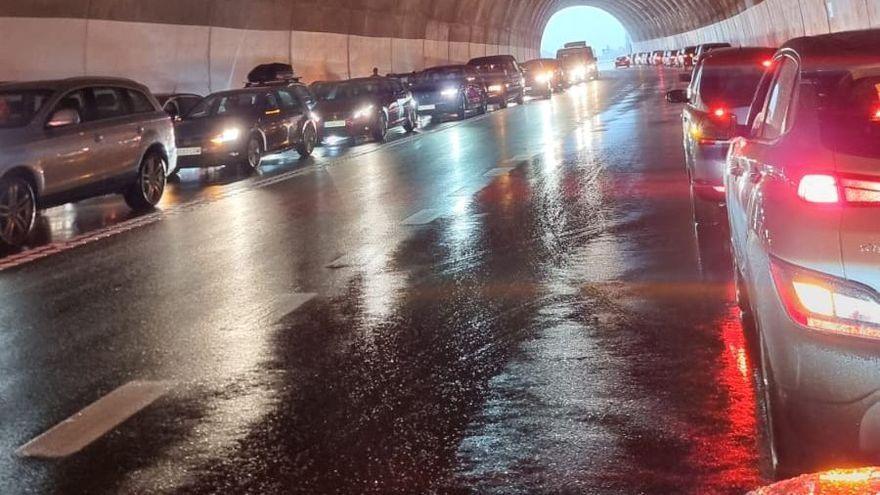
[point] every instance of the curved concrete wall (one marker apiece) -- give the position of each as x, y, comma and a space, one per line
201, 59
773, 22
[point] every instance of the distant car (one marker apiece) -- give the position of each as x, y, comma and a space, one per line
719, 96
686, 57
502, 77
542, 77
803, 201
447, 90
364, 107
669, 58
66, 140
657, 57
706, 48
622, 62
178, 104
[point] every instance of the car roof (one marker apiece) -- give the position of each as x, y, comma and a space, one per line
836, 50
491, 58
733, 56
73, 82
450, 67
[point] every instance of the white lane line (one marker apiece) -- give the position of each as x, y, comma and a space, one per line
423, 217
80, 430
288, 303
499, 171
360, 258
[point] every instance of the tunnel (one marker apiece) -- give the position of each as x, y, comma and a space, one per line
209, 45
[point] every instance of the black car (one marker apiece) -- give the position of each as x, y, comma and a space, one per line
542, 76
502, 77
364, 107
451, 89
178, 104
239, 127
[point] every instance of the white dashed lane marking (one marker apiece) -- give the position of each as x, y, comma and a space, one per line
287, 304
96, 420
423, 217
497, 172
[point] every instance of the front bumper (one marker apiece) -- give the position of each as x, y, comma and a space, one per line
352, 129
438, 106
210, 155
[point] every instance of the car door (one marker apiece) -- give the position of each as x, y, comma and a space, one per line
691, 116
69, 152
764, 154
119, 132
293, 112
273, 122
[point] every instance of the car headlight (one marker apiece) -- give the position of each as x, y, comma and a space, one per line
449, 93
543, 78
363, 112
495, 88
227, 136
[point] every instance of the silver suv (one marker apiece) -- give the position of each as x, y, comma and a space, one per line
67, 140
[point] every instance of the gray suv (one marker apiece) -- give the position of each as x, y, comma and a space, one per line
67, 140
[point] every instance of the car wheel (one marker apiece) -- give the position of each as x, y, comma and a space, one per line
462, 108
147, 190
253, 156
18, 211
411, 121
503, 103
309, 141
381, 128
521, 98
779, 444
484, 107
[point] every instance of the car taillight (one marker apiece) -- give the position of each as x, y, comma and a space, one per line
875, 116
831, 189
767, 64
720, 113
825, 303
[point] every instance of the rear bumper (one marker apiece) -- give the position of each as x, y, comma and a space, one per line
538, 90
706, 162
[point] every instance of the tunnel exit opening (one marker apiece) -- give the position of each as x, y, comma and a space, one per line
600, 29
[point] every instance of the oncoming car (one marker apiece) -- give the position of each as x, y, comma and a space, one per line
451, 89
365, 107
66, 140
803, 200
502, 77
241, 126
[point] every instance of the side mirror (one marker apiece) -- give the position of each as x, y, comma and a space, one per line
63, 118
677, 96
172, 111
685, 77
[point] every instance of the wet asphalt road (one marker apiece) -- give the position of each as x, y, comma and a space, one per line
512, 304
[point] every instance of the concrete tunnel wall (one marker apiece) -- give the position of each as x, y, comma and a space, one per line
773, 22
210, 45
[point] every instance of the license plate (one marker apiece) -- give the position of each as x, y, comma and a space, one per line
189, 151
334, 124
427, 107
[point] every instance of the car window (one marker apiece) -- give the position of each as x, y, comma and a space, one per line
849, 113
304, 95
75, 100
288, 100
271, 101
186, 103
730, 85
238, 102
139, 102
109, 103
693, 89
18, 108
779, 100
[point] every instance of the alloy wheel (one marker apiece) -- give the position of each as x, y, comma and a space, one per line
17, 211
153, 180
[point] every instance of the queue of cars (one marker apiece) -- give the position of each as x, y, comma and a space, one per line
786, 143
77, 138
684, 58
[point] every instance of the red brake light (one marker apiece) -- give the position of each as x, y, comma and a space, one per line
767, 64
830, 189
875, 117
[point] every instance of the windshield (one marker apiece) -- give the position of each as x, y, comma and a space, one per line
17, 108
438, 75
850, 113
491, 66
345, 90
734, 86
226, 104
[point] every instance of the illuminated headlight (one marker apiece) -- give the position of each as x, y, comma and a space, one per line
495, 88
227, 136
449, 93
544, 78
364, 112
580, 72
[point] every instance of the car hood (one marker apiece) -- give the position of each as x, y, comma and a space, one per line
343, 109
435, 87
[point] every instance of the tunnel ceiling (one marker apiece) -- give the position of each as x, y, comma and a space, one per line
515, 22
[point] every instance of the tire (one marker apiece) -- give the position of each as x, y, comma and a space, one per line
381, 128
309, 141
462, 108
782, 463
411, 121
253, 154
147, 190
521, 98
503, 103
18, 211
484, 107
